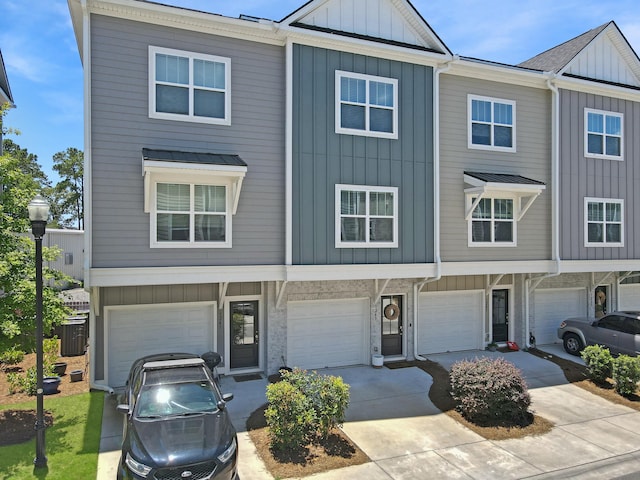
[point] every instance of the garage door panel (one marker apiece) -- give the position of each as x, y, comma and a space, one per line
629, 297
327, 333
138, 331
552, 306
450, 321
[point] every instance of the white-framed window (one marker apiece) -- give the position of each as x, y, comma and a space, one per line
603, 134
603, 222
366, 216
366, 105
189, 86
492, 123
492, 222
190, 215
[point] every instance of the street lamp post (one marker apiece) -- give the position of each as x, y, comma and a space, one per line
39, 214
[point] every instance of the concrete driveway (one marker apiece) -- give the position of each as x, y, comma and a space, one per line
392, 420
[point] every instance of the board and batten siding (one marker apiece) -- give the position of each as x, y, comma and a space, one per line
121, 127
582, 177
532, 159
322, 159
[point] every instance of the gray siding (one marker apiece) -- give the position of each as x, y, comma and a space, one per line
322, 159
121, 127
592, 177
532, 159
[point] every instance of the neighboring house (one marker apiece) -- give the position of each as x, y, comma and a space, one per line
71, 258
310, 192
595, 78
5, 93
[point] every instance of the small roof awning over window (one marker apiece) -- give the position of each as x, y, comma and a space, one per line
494, 184
207, 165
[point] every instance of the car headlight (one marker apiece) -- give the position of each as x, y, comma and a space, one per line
136, 467
563, 324
228, 453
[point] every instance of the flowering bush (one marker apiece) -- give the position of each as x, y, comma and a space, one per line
490, 391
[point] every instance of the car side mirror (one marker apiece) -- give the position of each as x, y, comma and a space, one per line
594, 323
227, 397
122, 408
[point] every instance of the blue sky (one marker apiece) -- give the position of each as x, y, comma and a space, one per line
45, 73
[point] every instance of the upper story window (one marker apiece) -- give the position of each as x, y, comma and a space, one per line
366, 216
492, 222
603, 134
603, 224
189, 86
492, 123
190, 214
191, 203
366, 105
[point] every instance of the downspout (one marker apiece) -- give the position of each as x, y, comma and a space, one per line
436, 200
88, 206
555, 198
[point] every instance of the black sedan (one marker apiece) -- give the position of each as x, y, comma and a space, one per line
176, 424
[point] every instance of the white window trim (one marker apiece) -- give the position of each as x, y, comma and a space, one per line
589, 200
173, 172
190, 117
470, 122
366, 132
514, 221
338, 216
605, 114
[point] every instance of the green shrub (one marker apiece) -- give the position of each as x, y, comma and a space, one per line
490, 392
290, 416
304, 405
329, 397
26, 382
599, 362
626, 374
11, 356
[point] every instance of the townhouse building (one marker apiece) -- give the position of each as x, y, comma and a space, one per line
331, 189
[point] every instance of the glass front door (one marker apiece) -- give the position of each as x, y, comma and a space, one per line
500, 315
245, 338
392, 312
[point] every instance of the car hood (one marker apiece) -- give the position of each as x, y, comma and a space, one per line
180, 440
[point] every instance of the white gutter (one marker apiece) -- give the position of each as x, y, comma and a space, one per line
555, 200
436, 200
88, 206
289, 155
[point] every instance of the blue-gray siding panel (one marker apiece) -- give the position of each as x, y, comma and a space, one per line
121, 127
582, 177
322, 159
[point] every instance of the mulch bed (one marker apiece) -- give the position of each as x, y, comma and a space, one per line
18, 426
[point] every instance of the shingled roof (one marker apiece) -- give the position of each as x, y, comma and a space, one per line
556, 58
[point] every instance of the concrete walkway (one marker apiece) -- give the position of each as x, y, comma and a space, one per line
392, 420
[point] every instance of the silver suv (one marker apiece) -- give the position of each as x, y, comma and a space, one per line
618, 331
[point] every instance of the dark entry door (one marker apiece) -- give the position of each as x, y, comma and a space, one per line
392, 325
500, 304
244, 335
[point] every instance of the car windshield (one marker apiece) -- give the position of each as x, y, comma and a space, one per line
188, 396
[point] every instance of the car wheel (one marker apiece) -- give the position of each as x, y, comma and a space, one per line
572, 344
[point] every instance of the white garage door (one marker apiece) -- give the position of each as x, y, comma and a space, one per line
450, 321
551, 306
327, 333
134, 332
629, 297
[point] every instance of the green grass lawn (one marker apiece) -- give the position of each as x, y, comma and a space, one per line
71, 443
